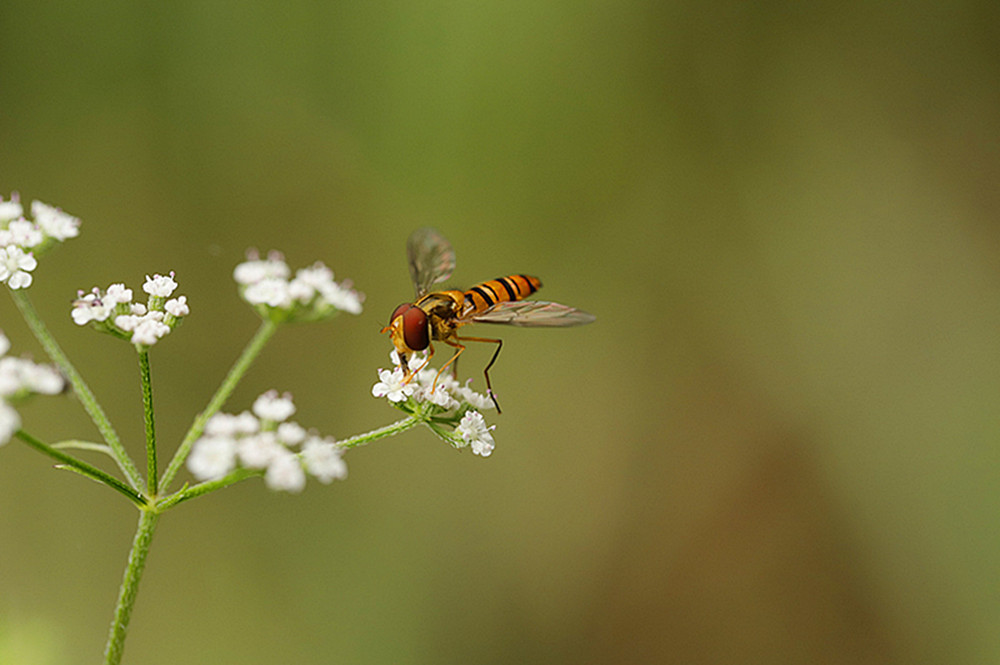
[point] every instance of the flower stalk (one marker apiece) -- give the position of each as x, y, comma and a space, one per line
219, 449
130, 586
80, 388
71, 463
147, 412
389, 430
239, 368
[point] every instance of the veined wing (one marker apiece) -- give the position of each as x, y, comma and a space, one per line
432, 259
534, 314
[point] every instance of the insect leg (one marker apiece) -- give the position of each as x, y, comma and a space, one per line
454, 358
486, 372
406, 364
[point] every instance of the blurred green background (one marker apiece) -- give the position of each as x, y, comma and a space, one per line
778, 443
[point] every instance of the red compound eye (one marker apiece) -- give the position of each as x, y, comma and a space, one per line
415, 330
414, 324
399, 310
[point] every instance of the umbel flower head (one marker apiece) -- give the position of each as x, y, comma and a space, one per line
19, 379
266, 440
450, 409
112, 311
311, 295
21, 239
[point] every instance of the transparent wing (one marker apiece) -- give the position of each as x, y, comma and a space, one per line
534, 314
432, 259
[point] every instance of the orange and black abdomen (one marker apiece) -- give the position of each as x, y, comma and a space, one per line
512, 287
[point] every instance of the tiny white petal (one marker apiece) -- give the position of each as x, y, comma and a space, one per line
127, 322
160, 285
177, 306
341, 297
82, 315
227, 424
270, 406
20, 280
323, 460
14, 266
212, 457
42, 379
291, 433
24, 233
4, 344
10, 422
285, 473
220, 424
92, 307
473, 430
391, 385
439, 396
271, 292
149, 330
247, 423
54, 222
256, 270
117, 293
475, 399
10, 376
315, 275
11, 209
259, 450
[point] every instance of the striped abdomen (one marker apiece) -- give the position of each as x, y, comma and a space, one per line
513, 287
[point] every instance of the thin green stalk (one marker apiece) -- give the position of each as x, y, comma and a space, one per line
130, 587
236, 476
83, 392
240, 367
82, 468
147, 410
380, 433
191, 492
73, 444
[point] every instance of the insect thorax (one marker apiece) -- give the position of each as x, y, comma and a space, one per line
443, 309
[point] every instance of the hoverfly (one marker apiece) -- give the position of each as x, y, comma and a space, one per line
437, 315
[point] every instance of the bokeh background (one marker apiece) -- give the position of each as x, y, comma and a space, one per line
779, 443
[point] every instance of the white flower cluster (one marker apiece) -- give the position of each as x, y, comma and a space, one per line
266, 440
20, 378
452, 403
311, 295
21, 239
113, 311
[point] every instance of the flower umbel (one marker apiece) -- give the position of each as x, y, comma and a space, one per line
267, 441
19, 379
22, 239
312, 295
450, 409
112, 310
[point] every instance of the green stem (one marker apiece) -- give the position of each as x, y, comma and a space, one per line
73, 444
380, 433
147, 410
252, 350
83, 393
186, 493
130, 587
236, 476
82, 468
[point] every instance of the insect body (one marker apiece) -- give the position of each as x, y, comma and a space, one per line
437, 315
